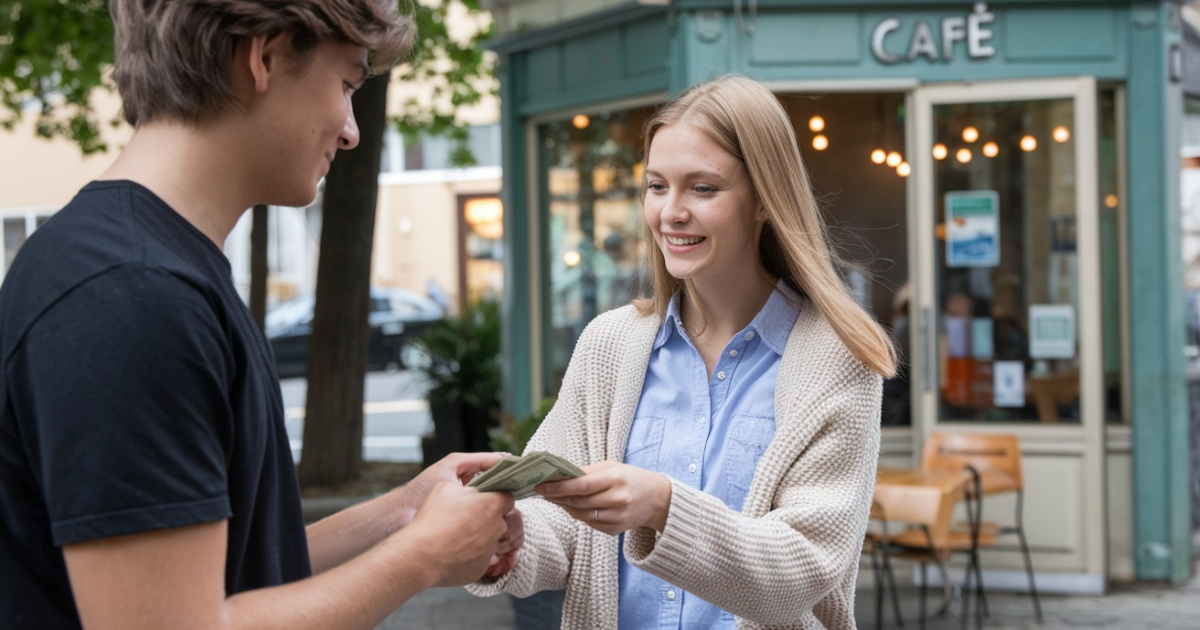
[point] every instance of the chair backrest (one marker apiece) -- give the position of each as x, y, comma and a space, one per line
915, 505
987, 453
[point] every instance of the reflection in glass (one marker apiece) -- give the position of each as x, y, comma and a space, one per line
1006, 256
593, 235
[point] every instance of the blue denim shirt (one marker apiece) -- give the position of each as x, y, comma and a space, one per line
707, 433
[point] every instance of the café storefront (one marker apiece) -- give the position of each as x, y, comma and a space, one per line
1006, 177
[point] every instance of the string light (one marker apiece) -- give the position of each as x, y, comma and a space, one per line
816, 123
939, 151
820, 142
903, 169
581, 121
1111, 201
991, 149
1061, 134
963, 155
878, 156
970, 134
894, 159
571, 258
1028, 143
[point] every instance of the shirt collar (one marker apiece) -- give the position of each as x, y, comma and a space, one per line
773, 323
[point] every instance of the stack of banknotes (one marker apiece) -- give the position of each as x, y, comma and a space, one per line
519, 475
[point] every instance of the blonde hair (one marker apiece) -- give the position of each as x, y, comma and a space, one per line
747, 121
172, 57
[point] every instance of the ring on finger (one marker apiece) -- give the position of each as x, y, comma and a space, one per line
596, 516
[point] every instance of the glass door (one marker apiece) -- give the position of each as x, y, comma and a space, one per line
1007, 288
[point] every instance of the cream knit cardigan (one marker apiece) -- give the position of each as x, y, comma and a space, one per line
789, 559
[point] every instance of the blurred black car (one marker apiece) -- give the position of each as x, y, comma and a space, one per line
397, 318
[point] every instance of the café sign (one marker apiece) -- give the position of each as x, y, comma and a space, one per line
975, 29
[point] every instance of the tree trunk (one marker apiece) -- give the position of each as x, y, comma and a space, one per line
258, 265
337, 356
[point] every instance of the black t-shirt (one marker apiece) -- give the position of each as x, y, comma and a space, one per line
136, 394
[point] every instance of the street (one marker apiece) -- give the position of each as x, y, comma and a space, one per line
394, 409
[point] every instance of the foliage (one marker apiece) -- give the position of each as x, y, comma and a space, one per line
463, 358
52, 55
517, 434
458, 73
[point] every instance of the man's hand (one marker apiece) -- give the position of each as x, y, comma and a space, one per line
613, 497
458, 530
456, 467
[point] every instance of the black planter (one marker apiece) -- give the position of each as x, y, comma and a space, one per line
458, 428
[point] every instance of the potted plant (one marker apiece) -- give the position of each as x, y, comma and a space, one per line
462, 363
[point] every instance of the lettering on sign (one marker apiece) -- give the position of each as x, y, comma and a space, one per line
973, 30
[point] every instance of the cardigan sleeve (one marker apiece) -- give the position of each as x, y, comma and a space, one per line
774, 569
544, 561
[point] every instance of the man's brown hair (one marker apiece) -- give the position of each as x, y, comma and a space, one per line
173, 56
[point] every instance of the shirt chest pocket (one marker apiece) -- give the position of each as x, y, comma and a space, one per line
645, 441
748, 439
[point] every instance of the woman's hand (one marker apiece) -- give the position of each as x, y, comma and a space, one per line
506, 554
613, 497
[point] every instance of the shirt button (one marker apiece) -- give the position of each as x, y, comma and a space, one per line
691, 468
749, 335
720, 376
733, 353
670, 594
701, 419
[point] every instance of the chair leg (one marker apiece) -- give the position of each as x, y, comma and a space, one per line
1037, 606
982, 604
891, 576
879, 588
924, 585
966, 596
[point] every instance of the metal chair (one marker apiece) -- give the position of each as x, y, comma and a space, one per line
994, 461
927, 539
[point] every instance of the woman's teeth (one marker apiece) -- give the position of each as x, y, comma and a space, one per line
691, 240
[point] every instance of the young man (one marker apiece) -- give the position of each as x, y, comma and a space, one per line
146, 479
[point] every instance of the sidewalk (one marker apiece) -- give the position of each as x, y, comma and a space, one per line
1126, 607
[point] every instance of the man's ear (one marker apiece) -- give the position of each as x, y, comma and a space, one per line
267, 54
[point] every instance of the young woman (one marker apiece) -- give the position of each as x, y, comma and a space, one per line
730, 423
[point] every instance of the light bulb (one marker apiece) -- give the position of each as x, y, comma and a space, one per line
894, 159
1061, 134
581, 121
816, 123
903, 169
820, 142
878, 156
1028, 143
963, 155
939, 151
991, 149
970, 134
571, 258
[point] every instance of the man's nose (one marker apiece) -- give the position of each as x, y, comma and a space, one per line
349, 138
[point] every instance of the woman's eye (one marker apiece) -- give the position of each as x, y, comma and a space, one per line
704, 189
656, 186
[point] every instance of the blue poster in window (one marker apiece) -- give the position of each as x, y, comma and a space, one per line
972, 228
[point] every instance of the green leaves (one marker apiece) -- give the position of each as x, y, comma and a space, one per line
53, 53
455, 69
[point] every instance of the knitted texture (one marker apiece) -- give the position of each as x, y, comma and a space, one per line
789, 559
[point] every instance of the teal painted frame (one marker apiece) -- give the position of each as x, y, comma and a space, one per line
1158, 378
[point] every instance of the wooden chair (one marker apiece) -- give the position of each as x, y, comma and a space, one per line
994, 462
926, 510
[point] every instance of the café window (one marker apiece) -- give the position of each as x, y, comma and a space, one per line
591, 171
